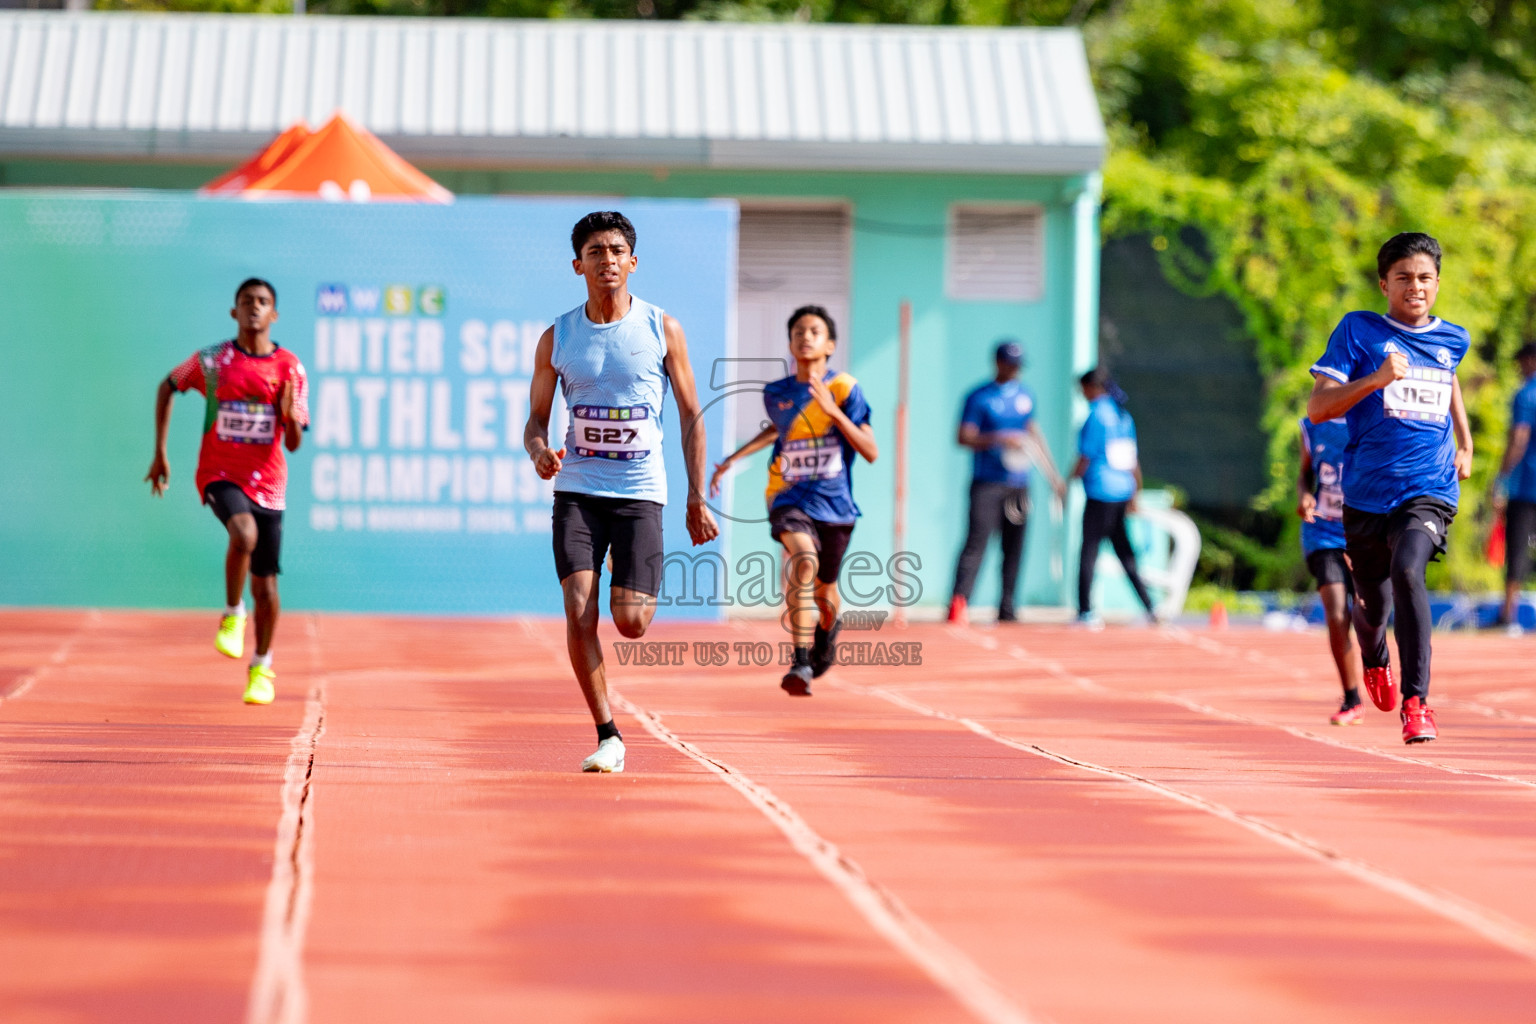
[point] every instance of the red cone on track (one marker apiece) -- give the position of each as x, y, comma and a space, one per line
1218, 616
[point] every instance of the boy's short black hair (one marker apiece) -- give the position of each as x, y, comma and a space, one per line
1094, 378
256, 282
598, 222
1401, 246
1526, 351
820, 311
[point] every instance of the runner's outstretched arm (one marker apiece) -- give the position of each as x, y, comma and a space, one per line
701, 523
764, 438
293, 433
861, 436
1514, 451
159, 475
1332, 399
1043, 459
1306, 501
1463, 431
541, 398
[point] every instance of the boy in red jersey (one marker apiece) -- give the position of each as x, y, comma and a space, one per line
257, 393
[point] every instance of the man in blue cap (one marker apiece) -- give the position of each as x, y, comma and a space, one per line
998, 425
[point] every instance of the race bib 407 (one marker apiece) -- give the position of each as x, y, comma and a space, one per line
1425, 394
812, 458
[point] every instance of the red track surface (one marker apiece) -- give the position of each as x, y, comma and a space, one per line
1035, 824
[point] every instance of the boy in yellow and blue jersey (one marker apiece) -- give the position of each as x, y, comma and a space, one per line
819, 421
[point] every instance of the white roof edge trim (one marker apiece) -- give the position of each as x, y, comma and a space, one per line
507, 98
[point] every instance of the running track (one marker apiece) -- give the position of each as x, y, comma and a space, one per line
1035, 825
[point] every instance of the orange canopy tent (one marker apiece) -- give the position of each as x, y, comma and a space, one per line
339, 161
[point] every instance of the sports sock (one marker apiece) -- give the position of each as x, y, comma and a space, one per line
264, 660
608, 731
802, 655
235, 609
1351, 697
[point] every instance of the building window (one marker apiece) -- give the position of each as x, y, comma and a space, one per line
996, 253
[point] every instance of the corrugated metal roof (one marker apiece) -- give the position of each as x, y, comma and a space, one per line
468, 91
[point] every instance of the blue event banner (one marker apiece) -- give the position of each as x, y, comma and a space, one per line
417, 325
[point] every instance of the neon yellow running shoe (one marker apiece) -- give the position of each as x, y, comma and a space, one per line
230, 640
260, 689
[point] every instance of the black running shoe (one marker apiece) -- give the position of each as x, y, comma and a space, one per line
824, 648
797, 681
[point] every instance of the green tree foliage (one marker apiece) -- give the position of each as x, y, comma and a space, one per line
1296, 140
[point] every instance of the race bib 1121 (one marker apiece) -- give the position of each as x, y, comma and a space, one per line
246, 422
1425, 394
606, 432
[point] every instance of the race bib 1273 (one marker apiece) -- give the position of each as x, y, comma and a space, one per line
1425, 394
246, 422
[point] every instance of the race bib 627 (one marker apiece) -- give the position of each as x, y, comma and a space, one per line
609, 432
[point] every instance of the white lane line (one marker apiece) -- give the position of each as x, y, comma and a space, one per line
1494, 927
946, 964
1055, 668
278, 994
1183, 636
56, 659
1233, 716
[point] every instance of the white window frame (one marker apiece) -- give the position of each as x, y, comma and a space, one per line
961, 289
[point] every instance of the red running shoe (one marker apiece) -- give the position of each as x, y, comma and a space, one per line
1418, 721
1382, 687
957, 616
1348, 714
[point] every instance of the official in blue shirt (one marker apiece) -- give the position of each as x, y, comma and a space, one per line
1320, 503
1393, 378
998, 424
1110, 470
1514, 489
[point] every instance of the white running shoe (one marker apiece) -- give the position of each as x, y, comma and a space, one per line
608, 757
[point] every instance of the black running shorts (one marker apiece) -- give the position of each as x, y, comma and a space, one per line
226, 500
587, 527
1370, 537
831, 539
1327, 565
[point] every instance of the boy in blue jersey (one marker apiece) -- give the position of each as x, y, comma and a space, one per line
998, 424
1514, 489
819, 421
1393, 378
1320, 503
614, 357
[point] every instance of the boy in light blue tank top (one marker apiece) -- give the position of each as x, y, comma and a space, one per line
614, 358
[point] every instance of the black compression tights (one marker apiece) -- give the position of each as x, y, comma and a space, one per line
1405, 592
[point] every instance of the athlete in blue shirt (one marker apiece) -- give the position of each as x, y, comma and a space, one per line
1320, 503
613, 357
1514, 489
998, 424
1393, 378
1108, 465
819, 421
